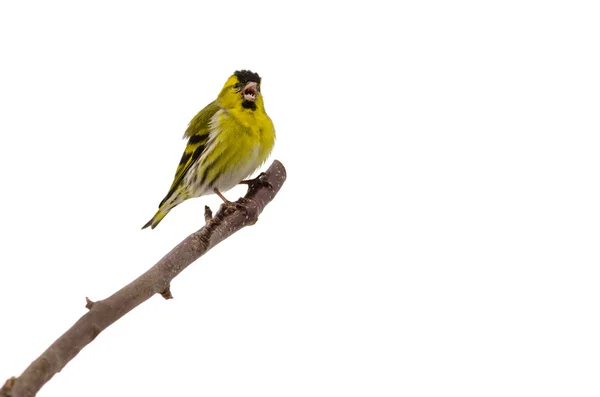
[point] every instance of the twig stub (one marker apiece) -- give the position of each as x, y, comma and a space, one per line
207, 213
89, 303
167, 293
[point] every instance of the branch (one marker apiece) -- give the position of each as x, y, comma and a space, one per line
157, 280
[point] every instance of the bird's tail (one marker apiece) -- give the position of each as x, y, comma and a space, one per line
160, 214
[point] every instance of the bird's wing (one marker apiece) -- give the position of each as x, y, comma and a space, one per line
198, 134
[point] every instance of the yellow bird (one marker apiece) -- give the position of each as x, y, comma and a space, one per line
227, 141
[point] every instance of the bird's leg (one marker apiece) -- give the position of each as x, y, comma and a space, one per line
259, 180
221, 195
236, 204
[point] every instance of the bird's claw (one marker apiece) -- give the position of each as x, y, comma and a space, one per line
260, 180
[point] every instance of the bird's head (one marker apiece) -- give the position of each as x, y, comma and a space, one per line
242, 89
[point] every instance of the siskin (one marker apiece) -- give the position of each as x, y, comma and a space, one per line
227, 141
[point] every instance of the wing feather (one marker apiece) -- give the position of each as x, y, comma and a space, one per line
198, 134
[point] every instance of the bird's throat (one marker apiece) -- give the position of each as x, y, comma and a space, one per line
248, 105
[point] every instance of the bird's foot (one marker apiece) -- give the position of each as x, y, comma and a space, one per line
260, 180
231, 206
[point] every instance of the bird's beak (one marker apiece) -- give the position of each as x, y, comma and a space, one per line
250, 91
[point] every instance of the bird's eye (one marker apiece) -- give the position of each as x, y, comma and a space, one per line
238, 87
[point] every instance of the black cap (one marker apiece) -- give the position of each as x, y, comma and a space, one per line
244, 76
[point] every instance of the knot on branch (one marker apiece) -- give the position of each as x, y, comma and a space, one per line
167, 293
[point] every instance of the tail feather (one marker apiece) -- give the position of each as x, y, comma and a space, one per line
160, 214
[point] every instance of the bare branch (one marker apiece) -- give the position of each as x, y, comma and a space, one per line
157, 280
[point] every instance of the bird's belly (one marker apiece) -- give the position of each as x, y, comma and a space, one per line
229, 178
222, 176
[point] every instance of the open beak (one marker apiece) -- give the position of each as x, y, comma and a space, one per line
250, 91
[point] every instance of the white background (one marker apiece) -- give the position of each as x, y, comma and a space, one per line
437, 234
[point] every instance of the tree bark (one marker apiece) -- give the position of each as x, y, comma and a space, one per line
229, 219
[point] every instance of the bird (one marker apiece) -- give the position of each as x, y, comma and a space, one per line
227, 141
